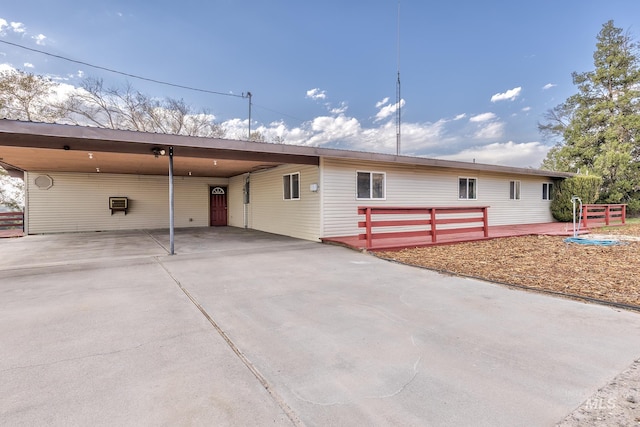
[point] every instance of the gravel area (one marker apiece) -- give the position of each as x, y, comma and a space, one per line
600, 274
545, 263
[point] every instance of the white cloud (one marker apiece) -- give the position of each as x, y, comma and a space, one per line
28, 65
40, 38
339, 110
383, 102
493, 130
4, 67
388, 110
527, 154
18, 27
316, 94
482, 117
549, 86
509, 95
460, 116
525, 109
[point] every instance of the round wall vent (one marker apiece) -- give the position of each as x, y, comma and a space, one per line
44, 182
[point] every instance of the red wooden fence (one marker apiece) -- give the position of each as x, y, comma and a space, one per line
10, 220
425, 219
598, 215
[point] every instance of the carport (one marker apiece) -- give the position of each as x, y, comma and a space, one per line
28, 146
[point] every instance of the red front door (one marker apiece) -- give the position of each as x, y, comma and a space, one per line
218, 205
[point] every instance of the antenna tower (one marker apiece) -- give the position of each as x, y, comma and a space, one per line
398, 97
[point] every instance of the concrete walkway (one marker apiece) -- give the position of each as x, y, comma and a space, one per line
247, 328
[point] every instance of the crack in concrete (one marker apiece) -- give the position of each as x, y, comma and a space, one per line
279, 400
404, 386
73, 359
384, 396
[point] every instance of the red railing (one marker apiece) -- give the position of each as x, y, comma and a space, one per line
599, 215
10, 220
425, 219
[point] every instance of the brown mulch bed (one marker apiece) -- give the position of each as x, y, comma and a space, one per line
607, 273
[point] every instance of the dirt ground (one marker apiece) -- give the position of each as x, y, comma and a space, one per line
607, 273
604, 273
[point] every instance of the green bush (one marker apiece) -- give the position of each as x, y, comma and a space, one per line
587, 187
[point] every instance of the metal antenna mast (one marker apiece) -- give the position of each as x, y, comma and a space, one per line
398, 97
249, 96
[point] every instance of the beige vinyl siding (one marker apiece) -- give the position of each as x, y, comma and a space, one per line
270, 212
235, 201
79, 202
422, 186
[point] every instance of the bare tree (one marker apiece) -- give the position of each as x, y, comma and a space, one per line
11, 191
129, 109
24, 96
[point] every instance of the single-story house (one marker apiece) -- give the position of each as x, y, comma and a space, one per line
92, 179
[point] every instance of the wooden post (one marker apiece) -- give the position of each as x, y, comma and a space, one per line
485, 218
607, 212
368, 227
624, 213
433, 225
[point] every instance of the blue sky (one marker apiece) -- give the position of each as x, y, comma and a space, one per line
477, 76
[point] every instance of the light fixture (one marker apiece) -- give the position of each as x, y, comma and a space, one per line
98, 170
215, 163
157, 151
91, 155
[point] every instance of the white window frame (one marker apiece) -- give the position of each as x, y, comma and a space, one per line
468, 178
291, 186
515, 188
371, 174
547, 191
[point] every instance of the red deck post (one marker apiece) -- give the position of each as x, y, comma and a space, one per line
433, 225
368, 227
485, 220
607, 212
623, 214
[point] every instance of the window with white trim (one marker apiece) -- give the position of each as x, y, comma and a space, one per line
467, 188
371, 185
547, 188
291, 186
514, 190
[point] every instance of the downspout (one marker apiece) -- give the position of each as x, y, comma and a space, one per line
171, 216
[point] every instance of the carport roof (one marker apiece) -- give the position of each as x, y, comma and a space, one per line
30, 146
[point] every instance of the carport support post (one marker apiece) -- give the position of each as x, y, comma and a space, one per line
171, 233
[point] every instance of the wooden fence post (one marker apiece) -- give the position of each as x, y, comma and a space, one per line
368, 228
433, 225
485, 220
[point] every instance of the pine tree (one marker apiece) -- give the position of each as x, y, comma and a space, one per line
599, 127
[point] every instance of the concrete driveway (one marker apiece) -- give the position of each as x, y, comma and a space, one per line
248, 328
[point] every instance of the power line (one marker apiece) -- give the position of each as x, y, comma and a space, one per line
243, 95
123, 73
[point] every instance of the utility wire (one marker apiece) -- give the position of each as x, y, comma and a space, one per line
244, 95
123, 73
